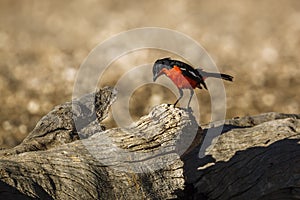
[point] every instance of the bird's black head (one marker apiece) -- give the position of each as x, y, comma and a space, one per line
159, 65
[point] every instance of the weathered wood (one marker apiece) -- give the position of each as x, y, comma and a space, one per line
58, 126
139, 162
70, 155
255, 158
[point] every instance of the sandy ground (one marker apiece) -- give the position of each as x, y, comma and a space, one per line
43, 43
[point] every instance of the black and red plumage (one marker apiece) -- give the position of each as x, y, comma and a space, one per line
184, 76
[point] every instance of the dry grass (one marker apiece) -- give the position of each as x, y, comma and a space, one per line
43, 43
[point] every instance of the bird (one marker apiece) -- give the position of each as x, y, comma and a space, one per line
184, 76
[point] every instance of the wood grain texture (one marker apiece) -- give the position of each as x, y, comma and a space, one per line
58, 160
256, 157
70, 155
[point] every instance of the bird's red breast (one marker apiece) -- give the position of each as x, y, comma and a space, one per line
181, 81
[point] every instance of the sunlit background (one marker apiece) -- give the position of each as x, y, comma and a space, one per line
43, 43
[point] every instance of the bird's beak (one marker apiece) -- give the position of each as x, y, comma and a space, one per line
157, 74
155, 77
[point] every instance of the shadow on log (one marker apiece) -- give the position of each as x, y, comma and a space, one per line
70, 155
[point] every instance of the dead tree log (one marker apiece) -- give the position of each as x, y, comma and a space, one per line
70, 155
256, 157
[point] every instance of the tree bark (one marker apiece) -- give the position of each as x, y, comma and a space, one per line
70, 155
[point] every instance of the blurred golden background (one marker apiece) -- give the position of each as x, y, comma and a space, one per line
43, 43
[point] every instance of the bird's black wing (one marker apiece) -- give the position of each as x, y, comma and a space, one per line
189, 71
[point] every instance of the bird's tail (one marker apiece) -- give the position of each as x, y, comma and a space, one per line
215, 75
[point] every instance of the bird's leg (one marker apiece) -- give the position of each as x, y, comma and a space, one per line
191, 95
180, 96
